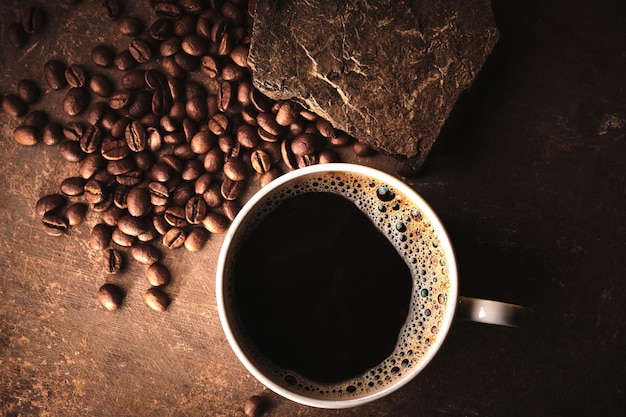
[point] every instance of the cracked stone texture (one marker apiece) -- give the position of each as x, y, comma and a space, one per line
387, 72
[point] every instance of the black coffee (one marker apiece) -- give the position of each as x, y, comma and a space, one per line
320, 290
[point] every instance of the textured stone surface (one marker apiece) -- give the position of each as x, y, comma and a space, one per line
387, 72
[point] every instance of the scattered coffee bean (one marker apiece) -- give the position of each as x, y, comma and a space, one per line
54, 224
130, 26
196, 239
75, 213
174, 238
158, 275
112, 8
26, 135
230, 208
124, 60
231, 190
255, 406
49, 203
110, 296
195, 209
100, 237
215, 223
75, 101
72, 186
145, 253
15, 35
156, 299
112, 261
28, 91
140, 50
122, 239
14, 106
70, 151
235, 169
75, 75
102, 56
101, 85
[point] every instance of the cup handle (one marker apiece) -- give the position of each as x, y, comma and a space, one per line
490, 312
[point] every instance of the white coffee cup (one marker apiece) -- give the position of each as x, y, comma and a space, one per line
422, 334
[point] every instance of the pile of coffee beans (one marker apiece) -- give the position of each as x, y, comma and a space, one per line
166, 150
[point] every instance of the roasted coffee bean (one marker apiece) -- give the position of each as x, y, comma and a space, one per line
219, 124
213, 195
363, 150
96, 112
340, 139
104, 178
114, 149
28, 91
130, 26
120, 99
160, 224
195, 209
155, 79
118, 130
249, 114
52, 133
306, 160
112, 8
15, 35
174, 238
269, 176
54, 224
192, 170
75, 75
138, 201
181, 192
120, 166
140, 50
215, 223
225, 96
26, 135
289, 158
75, 101
167, 10
70, 151
102, 56
196, 108
185, 25
173, 162
100, 237
175, 216
202, 183
273, 150
49, 203
90, 165
267, 136
120, 197
226, 44
261, 102
233, 73
160, 172
268, 123
112, 215
134, 79
305, 144
202, 141
145, 253
123, 239
158, 275
213, 160
194, 45
325, 128
149, 236
124, 60
209, 66
170, 46
196, 239
14, 106
155, 298
112, 261
130, 178
140, 104
328, 156
75, 213
36, 119
94, 192
235, 169
230, 208
132, 226
255, 406
110, 296
260, 161
32, 19
184, 152
161, 29
144, 160
91, 139
231, 190
159, 194
73, 186
136, 136
239, 55
101, 85
247, 136
186, 62
73, 131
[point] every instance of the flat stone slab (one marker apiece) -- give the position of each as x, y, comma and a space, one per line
387, 72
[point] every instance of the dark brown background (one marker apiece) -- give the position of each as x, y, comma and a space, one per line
530, 183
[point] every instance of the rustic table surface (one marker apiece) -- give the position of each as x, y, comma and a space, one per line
530, 183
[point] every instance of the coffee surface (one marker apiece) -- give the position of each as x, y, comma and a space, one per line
320, 289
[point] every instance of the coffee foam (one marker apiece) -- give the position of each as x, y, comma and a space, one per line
410, 232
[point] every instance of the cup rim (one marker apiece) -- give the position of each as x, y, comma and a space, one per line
443, 238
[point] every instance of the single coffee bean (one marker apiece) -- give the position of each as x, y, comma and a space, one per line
33, 19
91, 139
136, 136
122, 239
247, 136
130, 26
239, 55
104, 204
170, 46
305, 144
112, 261
196, 108
101, 85
140, 50
120, 166
267, 136
255, 406
28, 91
181, 193
124, 60
140, 105
120, 99
159, 194
155, 298
75, 101
174, 238
186, 62
75, 213
167, 10
75, 75
15, 35
102, 56
118, 130
160, 224
215, 223
54, 224
94, 192
175, 216
26, 135
231, 190
138, 202
219, 124
90, 165
14, 106
112, 215
226, 44
235, 169
196, 239
130, 178
328, 156
114, 149
260, 161
195, 209
132, 226
289, 158
52, 133
145, 253
341, 139
161, 29
149, 236
134, 79
158, 275
36, 119
202, 141
104, 178
213, 195
49, 203
230, 208
110, 296
73, 131
269, 176
173, 162
193, 169
100, 237
54, 73
70, 151
307, 160
202, 183
96, 113
73, 186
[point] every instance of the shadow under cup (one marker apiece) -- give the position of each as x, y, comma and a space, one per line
408, 224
